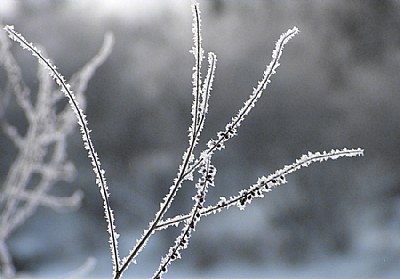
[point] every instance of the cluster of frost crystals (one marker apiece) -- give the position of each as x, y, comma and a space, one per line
208, 172
85, 132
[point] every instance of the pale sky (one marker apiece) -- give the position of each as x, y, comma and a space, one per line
124, 9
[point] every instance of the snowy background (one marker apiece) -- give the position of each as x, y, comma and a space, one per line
338, 86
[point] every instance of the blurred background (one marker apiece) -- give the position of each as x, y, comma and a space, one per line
337, 86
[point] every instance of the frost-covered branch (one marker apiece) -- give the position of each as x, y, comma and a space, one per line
208, 172
15, 84
85, 132
189, 165
52, 202
199, 111
232, 127
266, 184
7, 266
41, 150
49, 128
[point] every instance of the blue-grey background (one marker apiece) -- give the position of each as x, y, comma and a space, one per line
337, 86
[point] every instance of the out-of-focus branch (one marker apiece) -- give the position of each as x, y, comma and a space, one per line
41, 149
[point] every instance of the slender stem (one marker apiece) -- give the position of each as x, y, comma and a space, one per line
266, 184
85, 135
183, 173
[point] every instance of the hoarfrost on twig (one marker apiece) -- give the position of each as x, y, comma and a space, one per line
186, 170
85, 132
